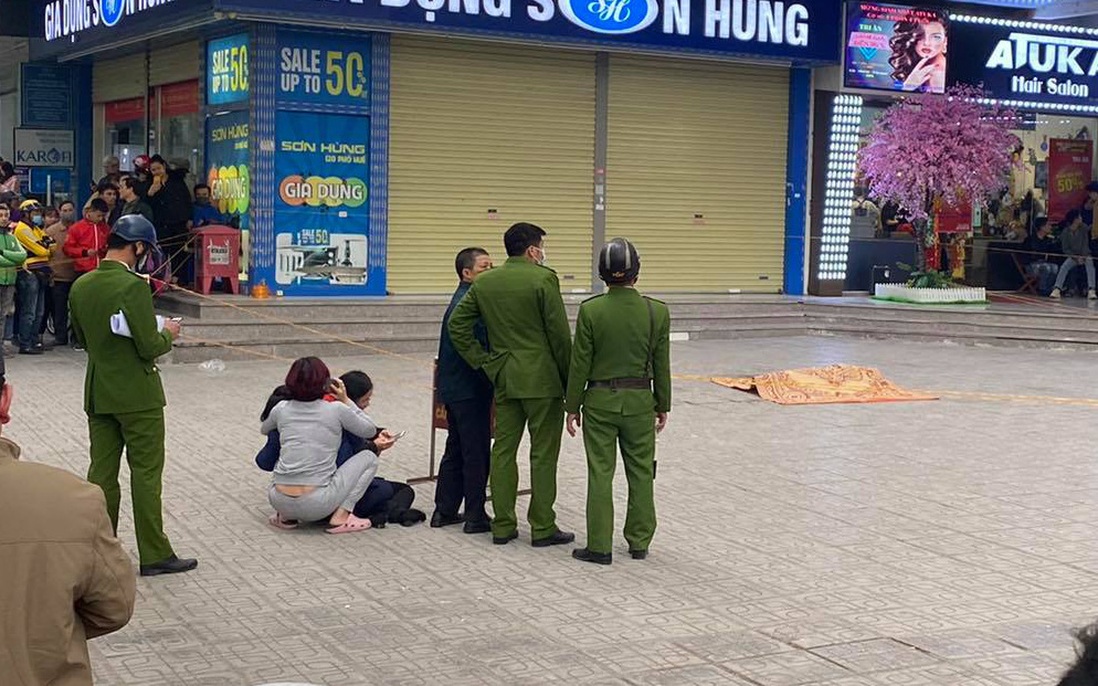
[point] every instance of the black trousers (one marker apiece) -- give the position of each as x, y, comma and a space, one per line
58, 307
463, 473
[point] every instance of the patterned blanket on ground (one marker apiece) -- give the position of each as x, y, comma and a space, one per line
837, 383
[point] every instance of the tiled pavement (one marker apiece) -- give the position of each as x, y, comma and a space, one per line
941, 543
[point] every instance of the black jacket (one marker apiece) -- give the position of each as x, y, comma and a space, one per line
458, 381
172, 205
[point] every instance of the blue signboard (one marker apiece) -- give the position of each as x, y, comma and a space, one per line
228, 163
322, 218
804, 31
41, 179
65, 25
1026, 62
322, 70
227, 78
46, 94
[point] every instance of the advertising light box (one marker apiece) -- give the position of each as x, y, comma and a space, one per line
896, 48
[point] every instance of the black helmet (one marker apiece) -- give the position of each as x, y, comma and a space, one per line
619, 262
134, 228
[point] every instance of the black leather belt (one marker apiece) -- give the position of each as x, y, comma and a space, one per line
633, 383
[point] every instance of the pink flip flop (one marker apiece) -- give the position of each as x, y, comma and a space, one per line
350, 526
278, 522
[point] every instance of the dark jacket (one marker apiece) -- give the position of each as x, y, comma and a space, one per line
172, 204
1033, 244
458, 381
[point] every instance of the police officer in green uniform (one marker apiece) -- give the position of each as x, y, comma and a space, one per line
522, 309
621, 378
123, 396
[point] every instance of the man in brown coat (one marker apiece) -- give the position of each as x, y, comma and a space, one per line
64, 577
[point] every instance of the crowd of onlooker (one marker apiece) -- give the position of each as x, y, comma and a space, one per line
44, 249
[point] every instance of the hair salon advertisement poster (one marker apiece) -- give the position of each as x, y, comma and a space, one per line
1069, 169
322, 218
896, 48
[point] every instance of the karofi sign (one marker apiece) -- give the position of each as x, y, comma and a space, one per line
798, 29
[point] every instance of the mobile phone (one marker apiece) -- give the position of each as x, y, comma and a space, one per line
177, 319
397, 437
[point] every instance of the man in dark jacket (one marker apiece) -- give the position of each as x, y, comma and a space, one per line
467, 394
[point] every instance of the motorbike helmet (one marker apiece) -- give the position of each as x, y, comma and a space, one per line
619, 262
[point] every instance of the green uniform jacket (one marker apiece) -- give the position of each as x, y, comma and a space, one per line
122, 376
613, 335
12, 257
528, 335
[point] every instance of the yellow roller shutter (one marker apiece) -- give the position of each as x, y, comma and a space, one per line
119, 79
478, 127
696, 171
174, 64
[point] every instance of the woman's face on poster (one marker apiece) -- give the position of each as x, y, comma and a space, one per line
932, 40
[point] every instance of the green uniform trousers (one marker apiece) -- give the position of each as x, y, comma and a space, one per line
603, 431
142, 436
545, 417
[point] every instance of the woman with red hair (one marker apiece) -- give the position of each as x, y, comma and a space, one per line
307, 485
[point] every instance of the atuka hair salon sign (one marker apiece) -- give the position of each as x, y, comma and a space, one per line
1030, 63
798, 30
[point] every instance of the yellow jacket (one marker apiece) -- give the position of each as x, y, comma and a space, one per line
36, 243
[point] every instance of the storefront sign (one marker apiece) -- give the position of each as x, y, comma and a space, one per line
65, 18
227, 70
1026, 61
1069, 171
228, 160
46, 93
320, 69
44, 148
895, 47
322, 220
61, 26
804, 30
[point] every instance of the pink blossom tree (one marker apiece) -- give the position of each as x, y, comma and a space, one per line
929, 149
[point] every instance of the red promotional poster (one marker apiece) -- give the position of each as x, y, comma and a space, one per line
953, 219
1069, 168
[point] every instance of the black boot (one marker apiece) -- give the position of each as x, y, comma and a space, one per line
173, 565
439, 520
559, 538
585, 555
639, 554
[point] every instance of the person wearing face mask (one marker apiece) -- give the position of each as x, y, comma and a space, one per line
205, 213
527, 361
123, 394
33, 280
63, 273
